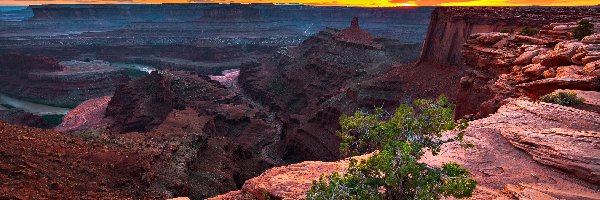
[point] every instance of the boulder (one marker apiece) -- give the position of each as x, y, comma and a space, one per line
534, 70
490, 38
591, 67
568, 71
550, 73
526, 57
591, 39
560, 55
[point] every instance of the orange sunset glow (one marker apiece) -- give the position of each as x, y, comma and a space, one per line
360, 3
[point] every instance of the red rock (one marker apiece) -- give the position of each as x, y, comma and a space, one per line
87, 115
591, 67
544, 86
354, 34
592, 39
288, 182
568, 71
534, 70
550, 73
533, 161
44, 164
526, 57
561, 55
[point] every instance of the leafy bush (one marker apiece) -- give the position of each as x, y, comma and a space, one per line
584, 28
564, 98
507, 30
529, 31
401, 139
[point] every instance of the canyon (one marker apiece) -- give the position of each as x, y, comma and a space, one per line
254, 116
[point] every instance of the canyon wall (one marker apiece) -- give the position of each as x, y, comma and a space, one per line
450, 27
229, 12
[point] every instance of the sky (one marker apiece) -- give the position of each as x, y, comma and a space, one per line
363, 3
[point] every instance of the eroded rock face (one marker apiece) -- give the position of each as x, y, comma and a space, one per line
311, 85
63, 84
450, 27
198, 137
513, 65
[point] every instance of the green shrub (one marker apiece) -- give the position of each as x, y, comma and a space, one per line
507, 30
401, 139
564, 98
584, 28
529, 31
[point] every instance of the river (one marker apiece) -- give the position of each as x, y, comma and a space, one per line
35, 108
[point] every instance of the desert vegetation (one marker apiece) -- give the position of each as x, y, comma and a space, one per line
529, 31
584, 28
400, 140
565, 98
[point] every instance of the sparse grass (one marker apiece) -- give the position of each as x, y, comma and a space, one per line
529, 31
507, 30
565, 98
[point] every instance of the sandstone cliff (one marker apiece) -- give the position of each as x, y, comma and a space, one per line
450, 27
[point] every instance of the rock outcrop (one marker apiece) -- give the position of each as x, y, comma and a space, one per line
450, 27
506, 65
200, 138
287, 182
64, 84
86, 116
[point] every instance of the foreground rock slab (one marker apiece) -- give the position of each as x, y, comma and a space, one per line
287, 182
531, 150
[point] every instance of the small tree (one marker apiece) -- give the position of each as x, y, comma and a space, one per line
584, 28
395, 172
529, 31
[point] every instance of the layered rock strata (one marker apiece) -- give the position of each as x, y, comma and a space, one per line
504, 65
